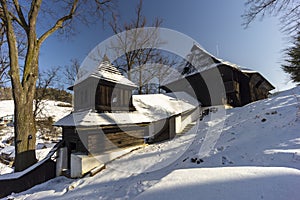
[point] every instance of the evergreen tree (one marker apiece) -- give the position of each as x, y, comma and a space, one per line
292, 65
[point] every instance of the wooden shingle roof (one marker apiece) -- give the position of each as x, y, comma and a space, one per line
108, 72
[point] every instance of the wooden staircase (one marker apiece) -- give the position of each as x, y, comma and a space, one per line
187, 128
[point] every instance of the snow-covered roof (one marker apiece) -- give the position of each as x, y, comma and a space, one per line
107, 71
149, 108
230, 64
215, 62
91, 118
248, 71
202, 60
164, 103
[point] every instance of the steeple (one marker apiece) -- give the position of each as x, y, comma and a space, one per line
105, 59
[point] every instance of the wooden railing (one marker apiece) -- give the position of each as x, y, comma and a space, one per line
36, 174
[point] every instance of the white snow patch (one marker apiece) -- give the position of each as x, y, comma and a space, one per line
227, 183
4, 169
6, 107
50, 109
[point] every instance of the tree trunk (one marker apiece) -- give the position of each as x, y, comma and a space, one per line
25, 133
13, 18
25, 130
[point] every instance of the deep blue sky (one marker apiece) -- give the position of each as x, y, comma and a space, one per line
215, 24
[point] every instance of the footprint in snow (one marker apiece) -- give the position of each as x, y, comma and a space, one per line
197, 160
225, 161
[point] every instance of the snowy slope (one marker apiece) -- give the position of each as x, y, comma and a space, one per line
6, 108
257, 156
227, 183
50, 109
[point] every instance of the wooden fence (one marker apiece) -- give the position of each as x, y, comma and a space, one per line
36, 174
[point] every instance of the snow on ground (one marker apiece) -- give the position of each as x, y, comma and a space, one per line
50, 109
257, 156
6, 107
227, 183
4, 169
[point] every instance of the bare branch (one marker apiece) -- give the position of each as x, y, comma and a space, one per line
70, 72
288, 12
137, 49
59, 23
12, 43
45, 80
22, 20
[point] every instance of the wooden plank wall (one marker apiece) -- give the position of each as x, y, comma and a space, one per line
102, 140
99, 143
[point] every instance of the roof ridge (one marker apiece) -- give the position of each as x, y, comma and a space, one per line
108, 67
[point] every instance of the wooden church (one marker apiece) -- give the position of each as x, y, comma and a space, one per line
105, 119
241, 86
101, 100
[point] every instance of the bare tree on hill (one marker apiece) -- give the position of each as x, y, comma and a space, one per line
138, 50
70, 72
45, 80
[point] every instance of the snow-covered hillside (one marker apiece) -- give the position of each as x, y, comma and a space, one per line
54, 109
50, 108
257, 156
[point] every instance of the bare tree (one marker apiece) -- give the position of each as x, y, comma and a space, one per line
289, 15
45, 80
137, 47
3, 71
70, 72
4, 61
287, 10
26, 19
